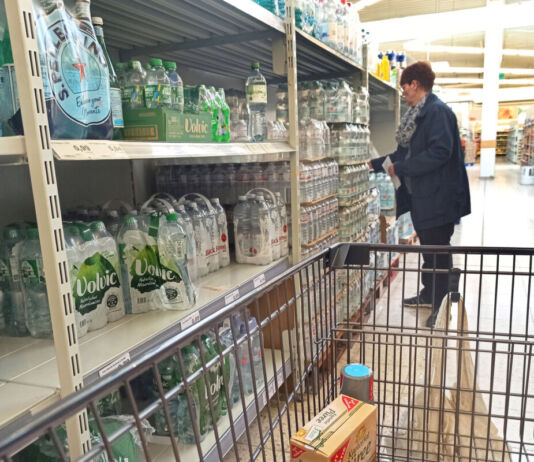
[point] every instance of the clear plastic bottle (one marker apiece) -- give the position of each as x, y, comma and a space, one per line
242, 230
38, 319
133, 94
178, 291
222, 245
203, 239
274, 224
210, 223
14, 311
262, 231
224, 117
158, 86
177, 86
107, 247
256, 90
73, 245
282, 212
187, 224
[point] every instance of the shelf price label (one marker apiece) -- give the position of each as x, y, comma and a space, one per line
259, 280
231, 297
113, 366
189, 320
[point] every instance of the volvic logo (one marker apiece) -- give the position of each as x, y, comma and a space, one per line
143, 267
95, 277
195, 126
214, 387
101, 282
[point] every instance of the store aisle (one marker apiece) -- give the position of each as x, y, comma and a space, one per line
502, 210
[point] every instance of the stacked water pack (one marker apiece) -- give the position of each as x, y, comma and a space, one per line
387, 191
260, 234
154, 263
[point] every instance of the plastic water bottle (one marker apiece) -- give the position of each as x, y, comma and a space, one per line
34, 287
242, 230
113, 298
256, 89
73, 245
210, 223
203, 239
273, 220
131, 237
282, 212
282, 104
14, 311
133, 93
172, 245
177, 86
222, 245
158, 86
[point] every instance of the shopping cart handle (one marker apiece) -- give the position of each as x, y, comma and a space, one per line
345, 255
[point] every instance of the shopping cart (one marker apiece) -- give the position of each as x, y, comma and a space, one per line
236, 385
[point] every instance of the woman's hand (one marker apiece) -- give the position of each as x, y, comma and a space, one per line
391, 170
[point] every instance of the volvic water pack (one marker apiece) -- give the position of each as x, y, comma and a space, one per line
74, 70
154, 283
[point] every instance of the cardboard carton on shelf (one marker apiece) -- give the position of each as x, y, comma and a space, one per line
344, 431
163, 124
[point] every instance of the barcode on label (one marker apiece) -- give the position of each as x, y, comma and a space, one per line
231, 297
188, 321
259, 280
142, 300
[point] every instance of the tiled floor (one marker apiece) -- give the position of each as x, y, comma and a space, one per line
502, 216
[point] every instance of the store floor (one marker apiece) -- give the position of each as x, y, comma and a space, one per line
502, 216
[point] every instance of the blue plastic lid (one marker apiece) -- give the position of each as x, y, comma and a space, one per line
357, 370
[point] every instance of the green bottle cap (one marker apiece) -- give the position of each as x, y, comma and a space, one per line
170, 65
172, 217
133, 63
156, 62
11, 234
33, 233
255, 65
147, 67
128, 220
98, 226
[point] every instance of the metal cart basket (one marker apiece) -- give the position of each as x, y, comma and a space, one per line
237, 385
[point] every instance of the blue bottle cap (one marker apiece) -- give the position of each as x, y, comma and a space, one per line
357, 370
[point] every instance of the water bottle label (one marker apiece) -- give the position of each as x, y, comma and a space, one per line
76, 72
116, 108
93, 286
177, 97
160, 94
30, 273
133, 96
257, 93
4, 273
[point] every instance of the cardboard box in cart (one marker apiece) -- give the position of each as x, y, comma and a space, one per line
344, 431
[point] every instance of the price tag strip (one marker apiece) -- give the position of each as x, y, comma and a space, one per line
113, 366
189, 320
231, 297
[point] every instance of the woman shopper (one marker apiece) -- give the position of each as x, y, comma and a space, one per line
434, 185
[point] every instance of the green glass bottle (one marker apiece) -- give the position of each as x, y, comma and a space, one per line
114, 85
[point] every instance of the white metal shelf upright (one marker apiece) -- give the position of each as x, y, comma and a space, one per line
22, 29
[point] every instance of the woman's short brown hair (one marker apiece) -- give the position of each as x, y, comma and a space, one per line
420, 71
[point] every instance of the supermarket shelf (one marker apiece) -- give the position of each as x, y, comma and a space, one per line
354, 162
19, 399
219, 36
377, 84
317, 201
190, 153
317, 60
164, 453
12, 149
322, 238
32, 361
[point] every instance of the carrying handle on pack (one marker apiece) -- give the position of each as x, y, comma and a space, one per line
121, 203
182, 200
154, 199
268, 191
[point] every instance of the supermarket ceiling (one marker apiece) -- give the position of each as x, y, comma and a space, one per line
450, 34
